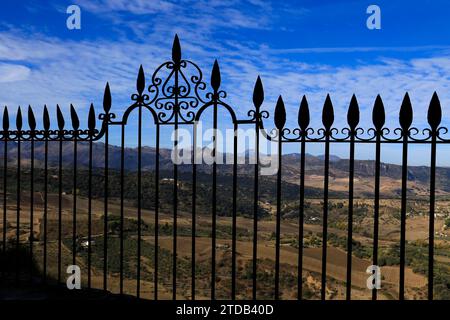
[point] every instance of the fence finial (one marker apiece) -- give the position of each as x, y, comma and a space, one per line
258, 93
434, 112
46, 119
19, 119
303, 114
406, 113
91, 118
107, 99
353, 113
176, 50
215, 76
280, 114
378, 115
60, 118
140, 82
31, 119
5, 119
328, 113
74, 116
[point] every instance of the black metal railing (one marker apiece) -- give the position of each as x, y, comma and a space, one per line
180, 99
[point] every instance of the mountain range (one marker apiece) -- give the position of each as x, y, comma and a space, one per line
418, 176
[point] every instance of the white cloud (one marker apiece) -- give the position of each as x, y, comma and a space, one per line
134, 7
195, 18
13, 72
358, 49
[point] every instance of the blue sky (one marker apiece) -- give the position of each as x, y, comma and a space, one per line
311, 47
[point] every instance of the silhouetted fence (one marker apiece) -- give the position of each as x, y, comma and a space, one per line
180, 99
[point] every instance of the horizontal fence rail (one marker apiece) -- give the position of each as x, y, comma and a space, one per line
175, 98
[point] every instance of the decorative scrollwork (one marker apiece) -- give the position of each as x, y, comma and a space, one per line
176, 94
441, 131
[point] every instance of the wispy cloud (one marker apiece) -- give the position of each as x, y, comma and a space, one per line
196, 18
358, 49
13, 72
135, 7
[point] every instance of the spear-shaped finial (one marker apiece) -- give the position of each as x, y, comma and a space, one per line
406, 113
31, 119
327, 113
140, 82
91, 118
19, 121
303, 114
434, 112
215, 76
107, 99
60, 118
5, 119
353, 113
378, 114
280, 114
176, 50
74, 116
258, 94
46, 119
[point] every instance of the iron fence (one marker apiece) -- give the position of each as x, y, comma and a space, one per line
178, 99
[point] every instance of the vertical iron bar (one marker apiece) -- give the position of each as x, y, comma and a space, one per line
214, 207
90, 211
139, 186
431, 222
350, 215
105, 213
255, 208
233, 231
376, 205
74, 216
31, 206
175, 190
278, 218
18, 204
44, 275
325, 215
122, 178
175, 214
301, 217
403, 216
194, 203
5, 180
60, 206
156, 211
